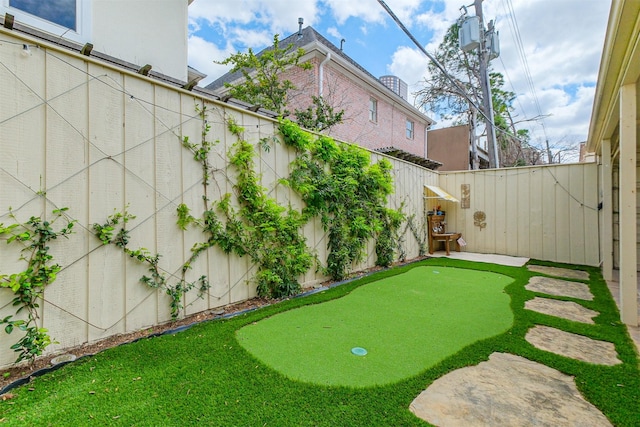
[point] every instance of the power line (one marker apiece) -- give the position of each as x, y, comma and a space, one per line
515, 30
463, 92
445, 72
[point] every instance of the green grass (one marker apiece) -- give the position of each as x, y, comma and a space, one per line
407, 323
203, 376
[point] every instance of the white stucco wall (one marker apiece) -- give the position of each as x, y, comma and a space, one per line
137, 31
143, 32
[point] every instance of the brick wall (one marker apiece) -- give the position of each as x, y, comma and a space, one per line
353, 97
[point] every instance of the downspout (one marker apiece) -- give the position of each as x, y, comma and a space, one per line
321, 73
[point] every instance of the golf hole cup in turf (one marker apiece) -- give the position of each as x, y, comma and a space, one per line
420, 308
359, 351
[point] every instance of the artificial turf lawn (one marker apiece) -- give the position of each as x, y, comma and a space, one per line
407, 323
202, 376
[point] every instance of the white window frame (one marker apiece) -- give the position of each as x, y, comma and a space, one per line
373, 110
410, 131
81, 34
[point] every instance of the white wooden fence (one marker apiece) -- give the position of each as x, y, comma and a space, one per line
81, 134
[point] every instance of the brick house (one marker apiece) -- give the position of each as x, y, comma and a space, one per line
377, 115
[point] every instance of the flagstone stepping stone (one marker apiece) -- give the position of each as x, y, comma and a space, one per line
565, 309
559, 272
507, 390
571, 345
559, 287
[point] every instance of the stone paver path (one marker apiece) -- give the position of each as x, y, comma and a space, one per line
559, 272
558, 287
574, 346
507, 390
564, 309
510, 390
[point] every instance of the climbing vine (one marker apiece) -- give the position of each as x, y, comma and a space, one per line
264, 230
419, 232
389, 238
35, 237
339, 184
114, 231
209, 224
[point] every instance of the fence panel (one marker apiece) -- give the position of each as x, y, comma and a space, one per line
80, 134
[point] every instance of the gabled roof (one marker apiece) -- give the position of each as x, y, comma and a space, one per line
303, 38
306, 37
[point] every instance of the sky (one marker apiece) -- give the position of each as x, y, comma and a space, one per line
561, 43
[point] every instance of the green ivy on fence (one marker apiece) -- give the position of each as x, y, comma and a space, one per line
266, 231
336, 181
339, 184
28, 286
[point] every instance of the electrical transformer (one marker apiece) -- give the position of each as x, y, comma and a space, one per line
493, 45
469, 33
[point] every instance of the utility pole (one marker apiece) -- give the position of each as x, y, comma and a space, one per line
487, 100
475, 162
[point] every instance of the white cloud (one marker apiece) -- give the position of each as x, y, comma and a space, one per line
251, 38
562, 45
371, 11
202, 55
334, 32
409, 64
276, 16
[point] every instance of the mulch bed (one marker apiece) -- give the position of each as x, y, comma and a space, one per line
15, 373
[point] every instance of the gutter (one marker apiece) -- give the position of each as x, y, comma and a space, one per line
321, 74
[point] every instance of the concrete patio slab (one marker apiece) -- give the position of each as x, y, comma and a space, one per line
559, 287
574, 346
559, 272
565, 309
510, 261
507, 390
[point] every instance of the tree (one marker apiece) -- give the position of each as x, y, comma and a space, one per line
443, 96
263, 84
451, 100
320, 116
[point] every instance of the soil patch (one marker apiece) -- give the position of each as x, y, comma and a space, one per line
15, 373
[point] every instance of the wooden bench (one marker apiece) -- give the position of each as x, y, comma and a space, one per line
438, 232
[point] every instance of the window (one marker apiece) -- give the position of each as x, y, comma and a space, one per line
409, 129
68, 18
373, 110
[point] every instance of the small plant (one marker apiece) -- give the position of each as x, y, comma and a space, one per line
319, 117
388, 237
35, 237
105, 231
210, 225
202, 149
